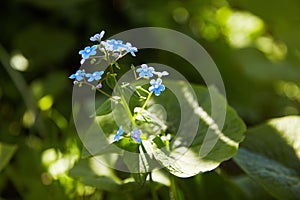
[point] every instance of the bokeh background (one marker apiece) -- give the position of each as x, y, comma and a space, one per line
255, 45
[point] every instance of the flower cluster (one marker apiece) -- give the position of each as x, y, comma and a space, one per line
111, 51
156, 85
135, 134
107, 48
80, 76
117, 46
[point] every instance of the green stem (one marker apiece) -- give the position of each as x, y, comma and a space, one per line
124, 103
152, 187
144, 105
109, 62
87, 83
175, 192
140, 88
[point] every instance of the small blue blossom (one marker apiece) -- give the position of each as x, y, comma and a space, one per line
113, 45
161, 74
156, 86
136, 135
94, 76
118, 134
78, 75
99, 86
117, 46
97, 36
82, 61
131, 49
88, 51
145, 71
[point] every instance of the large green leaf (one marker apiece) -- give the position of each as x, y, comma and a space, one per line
211, 144
206, 131
270, 155
6, 153
204, 186
93, 173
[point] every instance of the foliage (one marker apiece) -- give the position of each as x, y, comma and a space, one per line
256, 48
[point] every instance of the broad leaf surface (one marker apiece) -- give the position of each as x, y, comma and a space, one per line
270, 155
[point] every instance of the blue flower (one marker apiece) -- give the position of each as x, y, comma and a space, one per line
118, 46
145, 71
131, 49
88, 51
118, 134
161, 74
94, 76
97, 36
78, 75
113, 45
82, 61
156, 86
136, 135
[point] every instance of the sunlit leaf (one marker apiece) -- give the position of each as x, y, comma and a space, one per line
270, 155
210, 145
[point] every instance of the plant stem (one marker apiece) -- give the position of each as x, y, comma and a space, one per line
144, 105
175, 193
152, 187
124, 103
87, 83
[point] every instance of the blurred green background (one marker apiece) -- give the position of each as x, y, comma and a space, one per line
255, 45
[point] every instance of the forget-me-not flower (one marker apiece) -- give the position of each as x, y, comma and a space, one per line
156, 86
88, 51
94, 76
117, 46
130, 49
113, 45
97, 36
118, 134
78, 75
145, 71
161, 74
136, 135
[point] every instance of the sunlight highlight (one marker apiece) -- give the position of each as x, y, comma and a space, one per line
45, 103
213, 133
19, 62
241, 28
273, 50
28, 118
180, 15
288, 89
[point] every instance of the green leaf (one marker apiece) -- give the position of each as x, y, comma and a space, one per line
116, 65
110, 80
95, 174
128, 144
151, 116
270, 155
189, 117
199, 143
104, 108
141, 162
109, 149
6, 153
252, 189
204, 186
